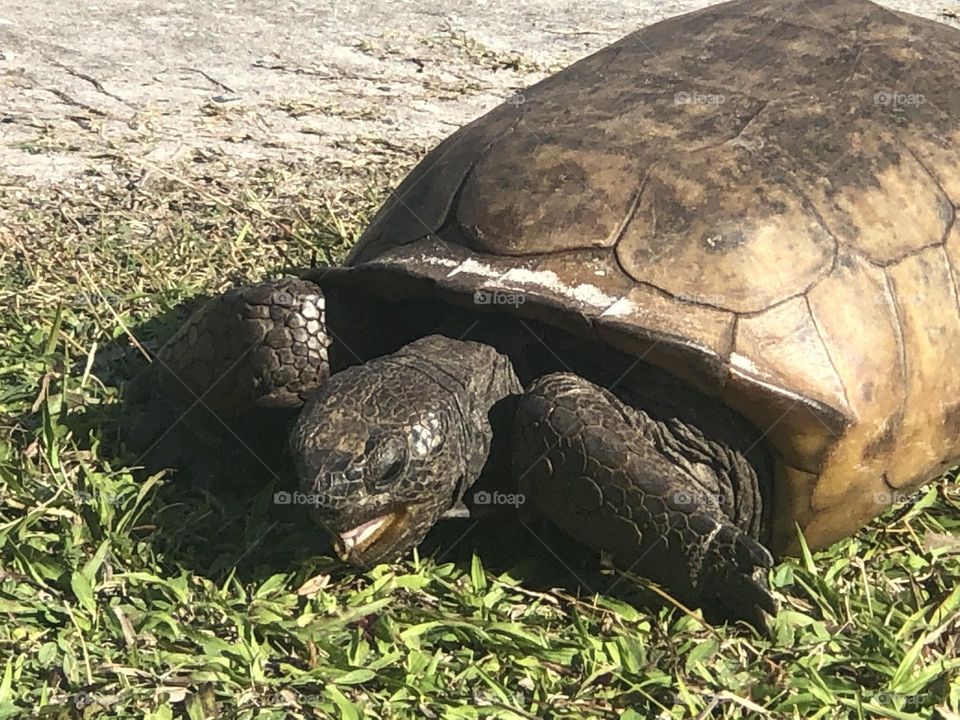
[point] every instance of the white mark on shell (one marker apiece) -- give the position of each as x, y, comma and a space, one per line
623, 307
440, 261
742, 362
549, 280
475, 267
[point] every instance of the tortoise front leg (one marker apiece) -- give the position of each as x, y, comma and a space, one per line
237, 368
613, 479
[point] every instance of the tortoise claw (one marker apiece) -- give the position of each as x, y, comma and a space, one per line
739, 582
748, 599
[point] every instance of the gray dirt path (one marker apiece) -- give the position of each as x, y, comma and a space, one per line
94, 94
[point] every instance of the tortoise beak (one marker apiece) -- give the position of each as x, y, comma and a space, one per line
377, 539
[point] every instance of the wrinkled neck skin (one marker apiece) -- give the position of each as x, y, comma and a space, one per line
385, 448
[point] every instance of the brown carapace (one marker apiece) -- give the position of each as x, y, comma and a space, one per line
759, 198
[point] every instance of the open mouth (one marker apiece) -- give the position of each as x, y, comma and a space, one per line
351, 545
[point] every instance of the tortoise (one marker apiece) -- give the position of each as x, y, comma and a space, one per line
690, 300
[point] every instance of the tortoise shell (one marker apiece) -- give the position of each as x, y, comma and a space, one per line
758, 197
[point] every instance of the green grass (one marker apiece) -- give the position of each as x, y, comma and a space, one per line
128, 596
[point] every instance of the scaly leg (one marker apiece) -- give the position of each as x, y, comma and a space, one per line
619, 481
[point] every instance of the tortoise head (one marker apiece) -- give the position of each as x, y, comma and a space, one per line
383, 449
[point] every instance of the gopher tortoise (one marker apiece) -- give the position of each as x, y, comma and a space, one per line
689, 299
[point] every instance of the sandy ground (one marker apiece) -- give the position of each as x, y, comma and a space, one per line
92, 95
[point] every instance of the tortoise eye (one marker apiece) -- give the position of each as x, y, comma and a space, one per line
386, 458
392, 471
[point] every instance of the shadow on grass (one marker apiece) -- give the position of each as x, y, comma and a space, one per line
215, 513
538, 555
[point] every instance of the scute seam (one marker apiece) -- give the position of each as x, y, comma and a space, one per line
451, 214
901, 346
824, 274
936, 181
909, 254
826, 349
631, 212
953, 278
